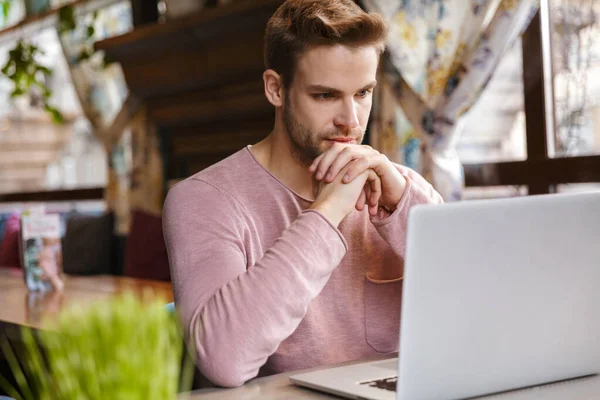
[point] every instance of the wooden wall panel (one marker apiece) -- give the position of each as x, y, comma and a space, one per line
201, 80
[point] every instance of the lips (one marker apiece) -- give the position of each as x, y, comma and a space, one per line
343, 139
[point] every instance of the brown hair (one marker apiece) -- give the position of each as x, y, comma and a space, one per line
298, 25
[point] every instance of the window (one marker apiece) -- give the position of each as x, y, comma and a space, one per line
574, 27
561, 93
494, 129
36, 154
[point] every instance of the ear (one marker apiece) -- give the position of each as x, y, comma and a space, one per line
273, 87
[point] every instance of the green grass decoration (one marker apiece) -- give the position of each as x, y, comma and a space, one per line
123, 349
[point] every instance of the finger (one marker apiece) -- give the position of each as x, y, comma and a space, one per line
315, 163
347, 155
360, 179
316, 170
328, 158
372, 209
373, 160
367, 191
358, 166
362, 200
376, 189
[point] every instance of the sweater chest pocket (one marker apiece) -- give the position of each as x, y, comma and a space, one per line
382, 299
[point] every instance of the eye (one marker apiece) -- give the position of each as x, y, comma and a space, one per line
363, 93
322, 96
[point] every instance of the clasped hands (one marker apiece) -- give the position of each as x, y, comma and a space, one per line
354, 176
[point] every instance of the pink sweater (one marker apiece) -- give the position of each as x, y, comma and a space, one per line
264, 285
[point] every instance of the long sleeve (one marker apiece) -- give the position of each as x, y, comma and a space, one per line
392, 227
236, 315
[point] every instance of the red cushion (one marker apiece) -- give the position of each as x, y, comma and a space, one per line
145, 252
9, 247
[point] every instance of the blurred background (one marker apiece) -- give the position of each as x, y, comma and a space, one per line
105, 104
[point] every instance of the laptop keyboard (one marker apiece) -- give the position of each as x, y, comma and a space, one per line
387, 383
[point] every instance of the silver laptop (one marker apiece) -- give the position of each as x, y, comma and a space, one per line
498, 295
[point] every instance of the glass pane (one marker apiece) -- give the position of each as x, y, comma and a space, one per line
575, 29
35, 153
494, 129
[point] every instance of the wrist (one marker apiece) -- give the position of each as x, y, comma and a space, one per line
396, 196
333, 214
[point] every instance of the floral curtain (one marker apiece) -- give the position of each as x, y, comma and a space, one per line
117, 116
101, 88
441, 54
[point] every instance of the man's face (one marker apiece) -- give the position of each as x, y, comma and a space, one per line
329, 99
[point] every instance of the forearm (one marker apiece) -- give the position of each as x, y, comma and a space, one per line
244, 321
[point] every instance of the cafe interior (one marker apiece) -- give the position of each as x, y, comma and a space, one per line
105, 105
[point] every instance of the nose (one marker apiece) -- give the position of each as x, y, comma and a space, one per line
347, 116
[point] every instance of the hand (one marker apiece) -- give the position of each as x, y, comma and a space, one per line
360, 158
49, 266
336, 199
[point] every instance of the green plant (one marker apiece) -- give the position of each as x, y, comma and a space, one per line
66, 19
120, 349
23, 69
4, 9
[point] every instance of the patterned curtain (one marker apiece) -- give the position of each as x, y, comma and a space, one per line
441, 54
101, 90
117, 117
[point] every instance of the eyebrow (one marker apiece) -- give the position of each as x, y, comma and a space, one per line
321, 88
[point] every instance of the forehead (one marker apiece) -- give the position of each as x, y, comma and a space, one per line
337, 66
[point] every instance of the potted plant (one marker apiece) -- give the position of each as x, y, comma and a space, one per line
122, 348
29, 75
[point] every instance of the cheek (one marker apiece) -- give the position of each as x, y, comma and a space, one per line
304, 111
319, 117
364, 111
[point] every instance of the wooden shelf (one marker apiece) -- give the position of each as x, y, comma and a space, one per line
200, 79
211, 48
38, 22
200, 26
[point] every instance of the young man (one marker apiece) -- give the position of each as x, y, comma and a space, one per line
289, 254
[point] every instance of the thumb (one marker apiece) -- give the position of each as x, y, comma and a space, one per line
374, 182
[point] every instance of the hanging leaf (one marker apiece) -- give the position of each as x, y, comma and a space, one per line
5, 70
57, 116
5, 7
17, 92
45, 70
66, 19
25, 72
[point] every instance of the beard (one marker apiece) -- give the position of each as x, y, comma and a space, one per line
305, 145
